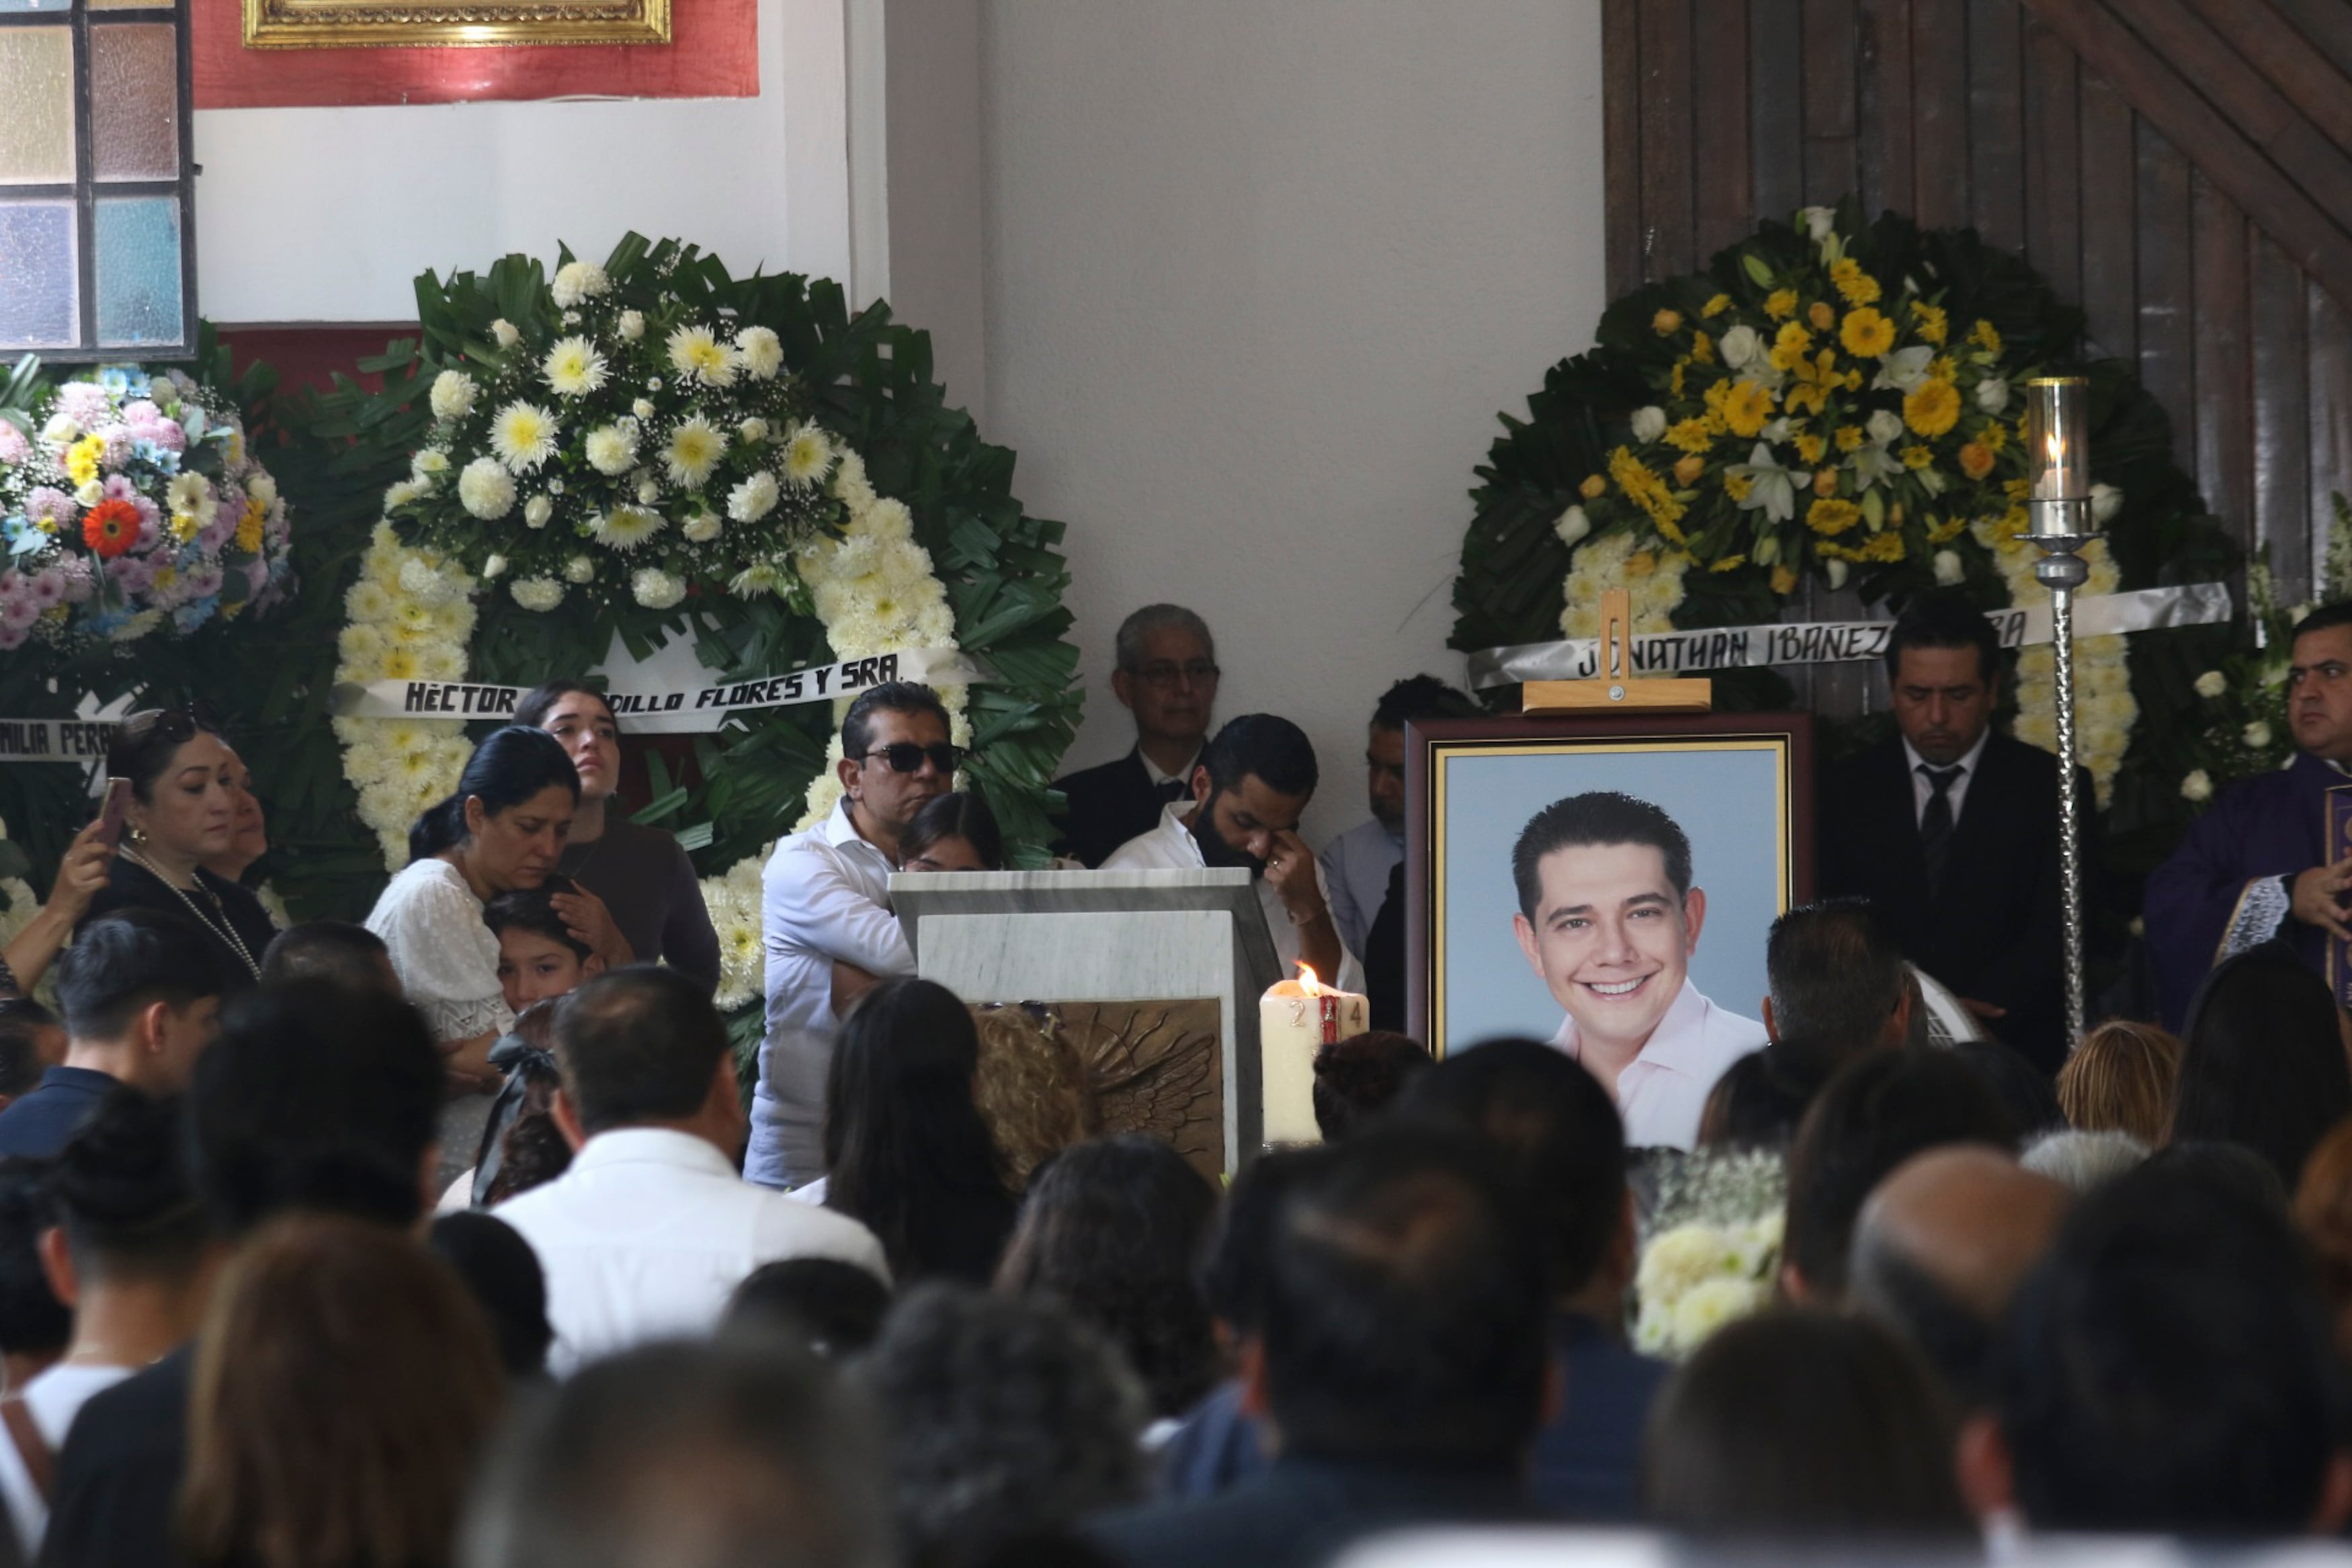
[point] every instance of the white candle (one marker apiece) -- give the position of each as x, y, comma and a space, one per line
1295, 1019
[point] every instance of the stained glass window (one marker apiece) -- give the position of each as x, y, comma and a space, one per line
97, 225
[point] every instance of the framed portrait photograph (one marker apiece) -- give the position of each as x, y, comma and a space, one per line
1612, 874
338, 23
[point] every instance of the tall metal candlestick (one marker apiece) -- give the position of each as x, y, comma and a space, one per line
2058, 461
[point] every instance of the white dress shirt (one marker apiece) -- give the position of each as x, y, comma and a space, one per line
1922, 790
824, 896
1355, 867
1662, 1092
650, 1232
53, 1399
1170, 846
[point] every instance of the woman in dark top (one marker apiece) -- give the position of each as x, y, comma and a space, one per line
907, 1150
185, 795
645, 880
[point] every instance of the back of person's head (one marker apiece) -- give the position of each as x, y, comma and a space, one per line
638, 1046
1006, 1417
532, 909
122, 1196
502, 1275
2322, 1213
1800, 1422
2022, 1088
31, 1043
123, 963
1403, 1317
1273, 748
823, 1305
2120, 1080
1597, 817
959, 814
1419, 697
1554, 1132
508, 765
1941, 1247
734, 1454
334, 951
1838, 980
2263, 1061
900, 1125
1239, 1256
1943, 619
314, 1097
33, 1322
1356, 1078
1761, 1099
1113, 1228
2082, 1161
890, 696
1876, 1112
2169, 1369
1031, 1088
344, 1383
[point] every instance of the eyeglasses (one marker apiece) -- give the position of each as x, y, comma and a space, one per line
1197, 671
906, 757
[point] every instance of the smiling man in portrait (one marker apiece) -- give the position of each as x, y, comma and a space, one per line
1608, 920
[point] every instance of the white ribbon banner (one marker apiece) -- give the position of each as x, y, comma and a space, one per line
1838, 642
694, 708
80, 741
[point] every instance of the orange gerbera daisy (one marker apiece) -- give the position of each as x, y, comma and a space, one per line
111, 527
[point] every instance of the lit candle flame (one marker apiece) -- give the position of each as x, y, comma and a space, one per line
1307, 980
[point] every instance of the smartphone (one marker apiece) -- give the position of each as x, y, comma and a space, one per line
112, 814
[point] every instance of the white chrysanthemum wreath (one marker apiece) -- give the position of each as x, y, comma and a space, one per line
412, 615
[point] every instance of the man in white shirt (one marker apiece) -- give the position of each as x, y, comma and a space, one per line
1248, 789
651, 1229
826, 919
131, 1256
1607, 919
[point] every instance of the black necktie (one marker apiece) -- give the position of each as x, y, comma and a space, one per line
1170, 790
1935, 824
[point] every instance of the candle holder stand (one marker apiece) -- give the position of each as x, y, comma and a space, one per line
2061, 531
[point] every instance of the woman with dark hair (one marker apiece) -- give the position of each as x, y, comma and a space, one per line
185, 796
953, 833
904, 1146
344, 1383
642, 894
501, 829
1801, 1423
2263, 1060
1760, 1099
1114, 1230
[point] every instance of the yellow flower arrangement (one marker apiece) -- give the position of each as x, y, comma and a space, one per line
1934, 409
1853, 285
1780, 304
1930, 322
1866, 334
1690, 436
1746, 408
1831, 518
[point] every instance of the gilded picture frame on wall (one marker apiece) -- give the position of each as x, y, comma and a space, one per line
414, 24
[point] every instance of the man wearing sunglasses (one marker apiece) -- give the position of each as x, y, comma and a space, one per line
1248, 790
825, 917
1167, 677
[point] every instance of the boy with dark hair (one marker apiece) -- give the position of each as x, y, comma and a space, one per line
334, 951
142, 998
32, 1041
538, 956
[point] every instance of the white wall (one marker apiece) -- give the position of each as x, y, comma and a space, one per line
1259, 275
328, 214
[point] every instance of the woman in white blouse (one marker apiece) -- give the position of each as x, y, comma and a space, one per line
503, 829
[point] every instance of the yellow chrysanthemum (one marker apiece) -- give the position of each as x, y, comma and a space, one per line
1995, 435
1737, 486
1866, 334
81, 459
1886, 546
1745, 407
2016, 489
1857, 286
1715, 306
249, 528
1831, 518
696, 352
1780, 304
1811, 447
1934, 409
1791, 346
1689, 435
1674, 378
1702, 348
1931, 323
1984, 336
1945, 532
184, 528
1849, 438
1642, 486
1729, 563
1916, 457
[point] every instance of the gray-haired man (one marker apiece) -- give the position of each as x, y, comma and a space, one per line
1167, 677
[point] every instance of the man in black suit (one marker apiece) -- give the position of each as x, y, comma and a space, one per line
1951, 830
1167, 677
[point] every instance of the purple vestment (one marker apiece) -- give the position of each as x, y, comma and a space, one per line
2269, 826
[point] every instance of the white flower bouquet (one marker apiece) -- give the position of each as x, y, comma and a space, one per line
129, 505
1713, 1251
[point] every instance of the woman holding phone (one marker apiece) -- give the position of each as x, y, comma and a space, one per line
81, 872
181, 811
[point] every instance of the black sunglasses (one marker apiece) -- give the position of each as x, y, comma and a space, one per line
906, 757
179, 726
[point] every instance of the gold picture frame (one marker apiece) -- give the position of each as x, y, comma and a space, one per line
412, 24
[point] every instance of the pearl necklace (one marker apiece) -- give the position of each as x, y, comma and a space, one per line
221, 928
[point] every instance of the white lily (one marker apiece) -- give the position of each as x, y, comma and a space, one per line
1770, 485
1904, 369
